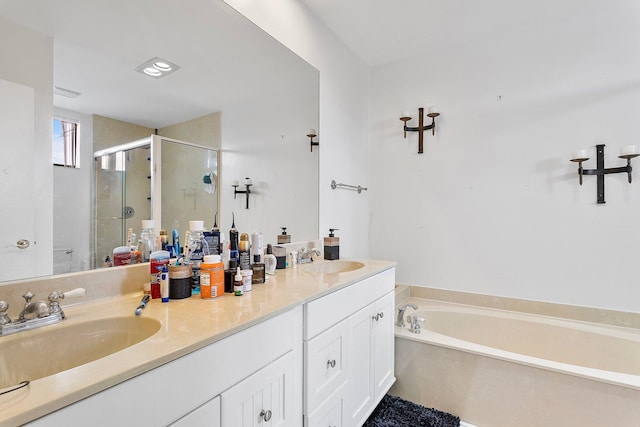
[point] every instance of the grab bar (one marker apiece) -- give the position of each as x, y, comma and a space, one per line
358, 188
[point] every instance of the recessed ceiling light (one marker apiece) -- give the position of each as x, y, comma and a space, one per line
153, 72
162, 66
157, 67
57, 90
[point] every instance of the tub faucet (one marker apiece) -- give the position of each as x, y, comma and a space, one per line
401, 310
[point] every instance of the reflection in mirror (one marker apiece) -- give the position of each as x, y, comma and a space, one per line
264, 99
167, 181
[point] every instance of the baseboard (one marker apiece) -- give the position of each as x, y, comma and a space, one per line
465, 424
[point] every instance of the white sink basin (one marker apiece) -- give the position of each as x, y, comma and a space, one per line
332, 267
51, 349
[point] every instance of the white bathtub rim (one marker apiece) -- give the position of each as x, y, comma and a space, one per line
434, 338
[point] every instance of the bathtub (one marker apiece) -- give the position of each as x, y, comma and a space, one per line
497, 368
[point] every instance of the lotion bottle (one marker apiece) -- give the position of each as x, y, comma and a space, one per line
332, 246
284, 237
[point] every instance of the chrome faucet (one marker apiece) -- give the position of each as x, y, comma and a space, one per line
305, 255
33, 310
401, 310
35, 313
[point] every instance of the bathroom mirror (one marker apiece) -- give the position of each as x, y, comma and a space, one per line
262, 97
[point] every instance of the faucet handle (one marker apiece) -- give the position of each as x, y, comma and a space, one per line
28, 297
56, 296
4, 317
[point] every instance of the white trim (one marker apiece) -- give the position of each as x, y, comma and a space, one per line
466, 424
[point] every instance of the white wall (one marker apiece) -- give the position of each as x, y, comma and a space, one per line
72, 190
265, 140
493, 206
344, 114
26, 58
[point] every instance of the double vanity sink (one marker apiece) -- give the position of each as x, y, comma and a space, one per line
102, 343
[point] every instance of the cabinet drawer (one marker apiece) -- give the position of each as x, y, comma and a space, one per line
322, 313
207, 415
325, 369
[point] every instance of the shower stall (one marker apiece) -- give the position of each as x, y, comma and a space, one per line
159, 178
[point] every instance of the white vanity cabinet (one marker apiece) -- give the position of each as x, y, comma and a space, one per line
371, 359
217, 385
348, 352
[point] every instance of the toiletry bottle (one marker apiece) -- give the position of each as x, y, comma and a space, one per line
122, 255
229, 276
284, 237
270, 261
233, 241
247, 283
258, 270
158, 260
214, 242
147, 242
332, 246
164, 283
257, 245
211, 277
237, 283
196, 250
164, 239
245, 259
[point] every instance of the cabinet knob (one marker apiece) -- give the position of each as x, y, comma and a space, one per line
331, 363
265, 415
378, 316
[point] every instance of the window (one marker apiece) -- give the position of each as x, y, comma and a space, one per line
65, 143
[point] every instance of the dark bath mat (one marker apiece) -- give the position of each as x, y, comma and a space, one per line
395, 412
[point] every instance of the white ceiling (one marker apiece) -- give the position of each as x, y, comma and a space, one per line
381, 31
224, 58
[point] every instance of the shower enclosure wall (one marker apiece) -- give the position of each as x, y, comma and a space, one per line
167, 180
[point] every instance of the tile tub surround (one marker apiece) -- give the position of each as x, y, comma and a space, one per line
487, 389
187, 325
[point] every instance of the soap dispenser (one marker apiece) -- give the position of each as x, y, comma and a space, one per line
284, 237
332, 246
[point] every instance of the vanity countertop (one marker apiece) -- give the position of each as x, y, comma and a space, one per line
187, 325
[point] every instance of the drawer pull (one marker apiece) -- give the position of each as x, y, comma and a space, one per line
266, 415
378, 316
331, 363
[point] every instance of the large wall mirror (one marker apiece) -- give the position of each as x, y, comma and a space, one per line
237, 93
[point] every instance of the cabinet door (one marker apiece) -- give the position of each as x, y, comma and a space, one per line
264, 399
359, 396
383, 346
207, 415
325, 366
329, 417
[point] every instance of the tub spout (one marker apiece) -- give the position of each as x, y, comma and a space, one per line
401, 310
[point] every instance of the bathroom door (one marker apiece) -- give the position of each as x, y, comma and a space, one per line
17, 192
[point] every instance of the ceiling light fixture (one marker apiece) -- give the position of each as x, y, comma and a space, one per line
157, 67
